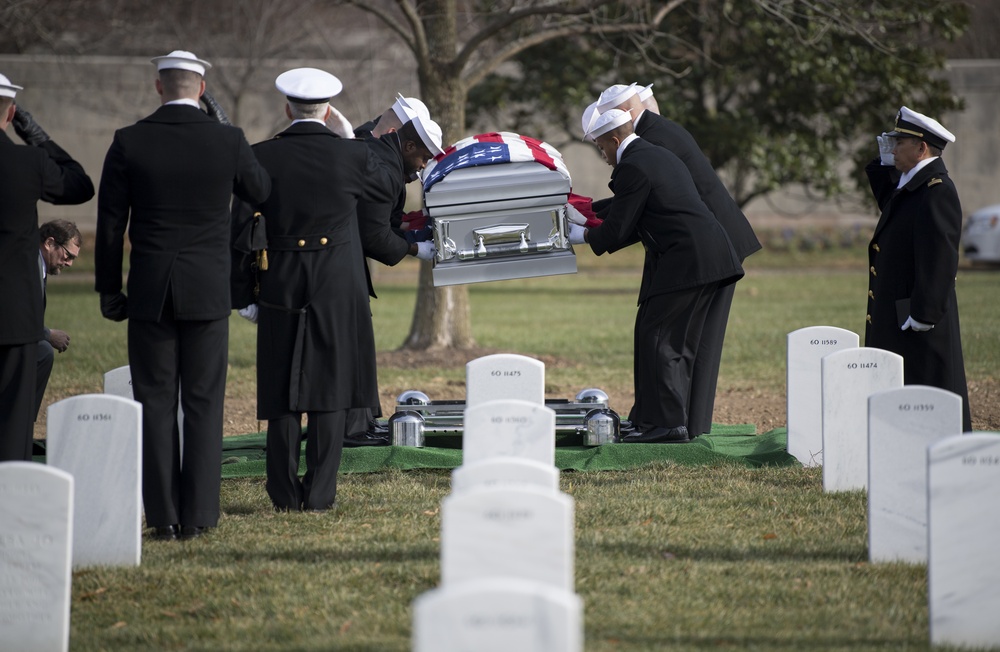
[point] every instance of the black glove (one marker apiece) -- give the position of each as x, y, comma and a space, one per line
29, 131
213, 109
114, 306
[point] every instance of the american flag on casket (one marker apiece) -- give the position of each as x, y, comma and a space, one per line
493, 149
497, 202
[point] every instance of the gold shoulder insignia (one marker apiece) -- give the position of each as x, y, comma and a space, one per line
933, 182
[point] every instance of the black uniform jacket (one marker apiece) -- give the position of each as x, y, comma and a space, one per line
27, 175
666, 133
170, 177
315, 345
386, 245
656, 202
913, 259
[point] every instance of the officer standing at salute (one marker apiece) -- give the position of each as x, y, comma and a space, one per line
42, 171
315, 344
169, 179
688, 257
913, 257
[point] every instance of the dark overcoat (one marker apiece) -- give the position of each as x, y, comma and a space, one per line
315, 345
170, 178
655, 201
913, 259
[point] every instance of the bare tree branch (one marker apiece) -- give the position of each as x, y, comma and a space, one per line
477, 73
513, 16
409, 38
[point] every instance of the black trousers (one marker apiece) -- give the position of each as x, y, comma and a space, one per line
705, 376
667, 334
46, 356
317, 490
18, 366
165, 357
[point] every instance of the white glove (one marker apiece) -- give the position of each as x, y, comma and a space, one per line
886, 144
575, 216
250, 313
339, 124
576, 234
426, 250
917, 326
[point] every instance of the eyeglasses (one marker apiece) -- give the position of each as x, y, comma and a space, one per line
70, 257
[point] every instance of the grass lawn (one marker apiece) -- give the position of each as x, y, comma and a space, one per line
667, 556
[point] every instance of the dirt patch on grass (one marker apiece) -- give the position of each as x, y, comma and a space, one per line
733, 405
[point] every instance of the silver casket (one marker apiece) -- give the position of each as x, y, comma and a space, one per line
497, 203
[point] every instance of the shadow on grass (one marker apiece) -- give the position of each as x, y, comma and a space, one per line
790, 552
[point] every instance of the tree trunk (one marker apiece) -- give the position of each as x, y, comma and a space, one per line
441, 317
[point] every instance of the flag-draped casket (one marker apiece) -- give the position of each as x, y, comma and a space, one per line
497, 202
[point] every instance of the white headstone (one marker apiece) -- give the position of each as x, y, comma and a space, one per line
502, 471
902, 423
512, 531
510, 428
504, 376
118, 382
963, 576
849, 378
36, 536
98, 439
498, 615
804, 388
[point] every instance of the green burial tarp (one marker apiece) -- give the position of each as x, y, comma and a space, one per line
243, 455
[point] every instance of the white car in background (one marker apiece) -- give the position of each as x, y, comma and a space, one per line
981, 237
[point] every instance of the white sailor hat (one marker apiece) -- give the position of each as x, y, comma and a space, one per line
430, 133
181, 60
308, 85
614, 95
406, 108
605, 122
911, 124
7, 89
589, 116
646, 93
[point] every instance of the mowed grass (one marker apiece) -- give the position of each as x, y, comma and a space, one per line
667, 556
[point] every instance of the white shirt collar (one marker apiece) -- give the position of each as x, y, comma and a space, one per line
635, 122
316, 120
625, 143
905, 179
185, 101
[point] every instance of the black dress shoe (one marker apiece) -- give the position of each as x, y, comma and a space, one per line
165, 533
678, 435
192, 531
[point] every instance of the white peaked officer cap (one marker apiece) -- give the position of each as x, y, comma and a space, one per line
646, 93
308, 85
911, 124
430, 133
7, 89
181, 60
406, 108
611, 119
615, 95
590, 114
